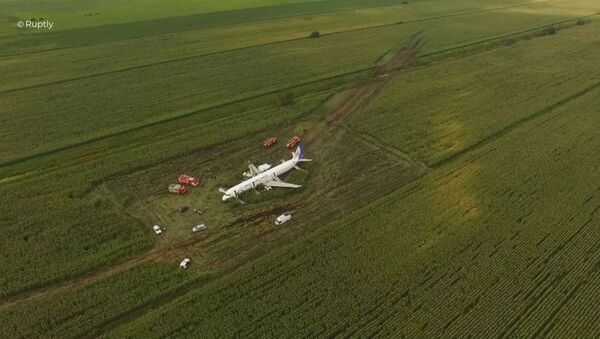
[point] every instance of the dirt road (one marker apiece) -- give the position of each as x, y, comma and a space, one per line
364, 94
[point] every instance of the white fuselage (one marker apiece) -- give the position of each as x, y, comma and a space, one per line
260, 179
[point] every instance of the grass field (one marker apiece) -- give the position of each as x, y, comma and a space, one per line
80, 14
438, 264
455, 197
76, 96
440, 111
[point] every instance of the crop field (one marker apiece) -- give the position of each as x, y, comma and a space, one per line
480, 95
84, 106
454, 189
102, 225
73, 310
515, 253
76, 14
186, 42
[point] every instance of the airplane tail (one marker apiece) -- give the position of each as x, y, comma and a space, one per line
298, 154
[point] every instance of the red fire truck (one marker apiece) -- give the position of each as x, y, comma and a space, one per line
188, 180
269, 142
294, 141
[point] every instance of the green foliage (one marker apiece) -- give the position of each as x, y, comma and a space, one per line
113, 19
67, 232
162, 92
467, 250
80, 311
95, 118
442, 114
51, 113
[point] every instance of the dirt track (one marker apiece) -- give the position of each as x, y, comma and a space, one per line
364, 94
359, 97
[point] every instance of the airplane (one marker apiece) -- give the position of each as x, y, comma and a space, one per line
268, 178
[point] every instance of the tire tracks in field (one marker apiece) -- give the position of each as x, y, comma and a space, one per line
358, 98
181, 116
201, 55
81, 281
376, 144
507, 129
224, 104
8, 179
237, 101
158, 251
360, 95
364, 94
155, 252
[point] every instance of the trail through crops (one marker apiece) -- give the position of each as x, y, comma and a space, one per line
315, 140
364, 94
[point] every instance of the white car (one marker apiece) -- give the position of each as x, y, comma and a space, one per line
157, 229
282, 219
198, 228
185, 263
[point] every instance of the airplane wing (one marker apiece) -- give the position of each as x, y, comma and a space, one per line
253, 169
274, 183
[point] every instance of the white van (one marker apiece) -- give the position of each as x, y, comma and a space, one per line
185, 263
282, 219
